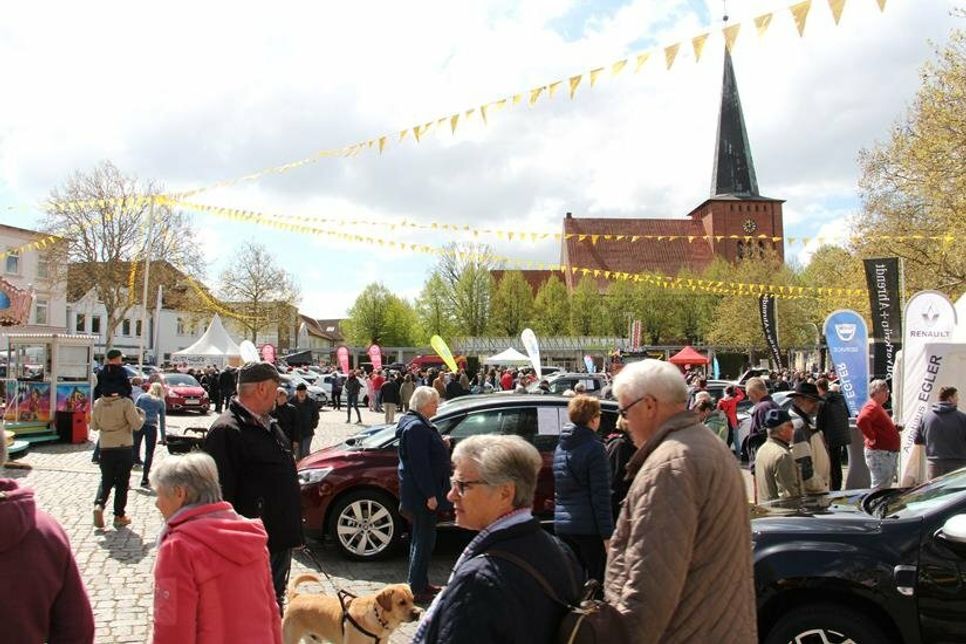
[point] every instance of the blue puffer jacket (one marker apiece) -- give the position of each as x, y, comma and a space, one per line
581, 478
424, 465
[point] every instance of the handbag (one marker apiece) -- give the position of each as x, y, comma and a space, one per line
589, 621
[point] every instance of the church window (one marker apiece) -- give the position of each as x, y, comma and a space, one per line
741, 250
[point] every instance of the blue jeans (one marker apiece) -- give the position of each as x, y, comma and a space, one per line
305, 446
149, 433
422, 541
882, 467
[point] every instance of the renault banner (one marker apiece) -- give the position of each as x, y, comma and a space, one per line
848, 346
769, 326
882, 278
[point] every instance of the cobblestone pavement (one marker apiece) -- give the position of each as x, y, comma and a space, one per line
117, 565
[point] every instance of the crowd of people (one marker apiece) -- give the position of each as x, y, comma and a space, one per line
655, 517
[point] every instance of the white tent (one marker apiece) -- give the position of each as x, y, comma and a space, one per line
510, 356
214, 346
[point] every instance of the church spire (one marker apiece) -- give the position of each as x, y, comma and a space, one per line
734, 169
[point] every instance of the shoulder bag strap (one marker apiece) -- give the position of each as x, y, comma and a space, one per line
530, 570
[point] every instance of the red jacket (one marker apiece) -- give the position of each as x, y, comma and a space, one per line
730, 407
506, 381
879, 431
42, 597
212, 580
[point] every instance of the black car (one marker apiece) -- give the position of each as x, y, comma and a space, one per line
883, 566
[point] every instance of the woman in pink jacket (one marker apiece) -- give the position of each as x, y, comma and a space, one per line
212, 581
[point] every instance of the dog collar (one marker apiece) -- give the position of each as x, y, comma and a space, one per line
345, 598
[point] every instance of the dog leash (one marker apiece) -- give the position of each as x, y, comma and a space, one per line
311, 555
345, 598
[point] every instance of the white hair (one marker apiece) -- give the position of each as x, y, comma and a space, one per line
651, 378
423, 397
503, 459
195, 473
878, 385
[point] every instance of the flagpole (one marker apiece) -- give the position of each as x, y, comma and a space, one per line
144, 296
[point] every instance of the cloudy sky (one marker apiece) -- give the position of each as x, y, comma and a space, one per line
195, 92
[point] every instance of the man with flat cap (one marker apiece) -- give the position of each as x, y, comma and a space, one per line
255, 466
776, 474
808, 445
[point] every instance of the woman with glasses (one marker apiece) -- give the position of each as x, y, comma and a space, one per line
582, 515
492, 594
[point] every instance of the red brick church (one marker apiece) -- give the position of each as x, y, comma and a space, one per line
735, 207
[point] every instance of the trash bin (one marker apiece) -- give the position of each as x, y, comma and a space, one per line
72, 426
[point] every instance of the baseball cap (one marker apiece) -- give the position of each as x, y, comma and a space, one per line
777, 417
257, 372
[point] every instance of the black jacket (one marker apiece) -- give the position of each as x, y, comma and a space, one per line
226, 382
306, 416
390, 392
287, 418
352, 387
833, 419
454, 390
257, 474
112, 379
494, 600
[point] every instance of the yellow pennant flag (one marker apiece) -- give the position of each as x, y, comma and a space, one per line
618, 67
469, 113
800, 14
594, 73
762, 23
499, 105
641, 59
382, 144
517, 98
535, 95
698, 44
574, 82
417, 132
552, 88
402, 134
483, 114
731, 35
670, 53
439, 346
836, 6
881, 5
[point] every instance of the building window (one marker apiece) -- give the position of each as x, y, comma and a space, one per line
40, 311
13, 262
126, 327
43, 266
80, 323
180, 326
741, 250
95, 324
137, 328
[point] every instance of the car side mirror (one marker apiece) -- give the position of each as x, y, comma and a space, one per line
954, 530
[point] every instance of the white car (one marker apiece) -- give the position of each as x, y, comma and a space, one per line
325, 383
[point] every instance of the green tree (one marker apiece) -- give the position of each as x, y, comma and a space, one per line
915, 183
692, 312
512, 305
551, 308
377, 316
655, 308
835, 267
434, 309
465, 272
618, 307
584, 306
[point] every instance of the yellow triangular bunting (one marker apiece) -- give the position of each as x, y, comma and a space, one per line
836, 6
641, 59
881, 4
535, 95
762, 23
594, 73
453, 121
800, 14
574, 82
618, 67
698, 44
670, 53
731, 35
552, 88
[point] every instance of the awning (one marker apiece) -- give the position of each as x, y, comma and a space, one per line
687, 355
510, 356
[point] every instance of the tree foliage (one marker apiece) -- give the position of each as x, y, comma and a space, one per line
105, 228
512, 305
259, 291
585, 306
551, 308
915, 183
380, 317
465, 271
434, 309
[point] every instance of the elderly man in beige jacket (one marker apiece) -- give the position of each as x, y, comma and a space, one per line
679, 567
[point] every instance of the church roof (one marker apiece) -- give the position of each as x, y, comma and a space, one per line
734, 168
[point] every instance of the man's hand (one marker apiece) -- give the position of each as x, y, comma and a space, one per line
431, 503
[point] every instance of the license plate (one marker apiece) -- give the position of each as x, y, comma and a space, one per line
191, 401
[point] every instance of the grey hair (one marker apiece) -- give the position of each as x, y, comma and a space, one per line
651, 378
423, 396
196, 473
504, 459
773, 430
878, 385
757, 384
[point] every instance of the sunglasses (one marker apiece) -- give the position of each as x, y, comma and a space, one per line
462, 486
623, 410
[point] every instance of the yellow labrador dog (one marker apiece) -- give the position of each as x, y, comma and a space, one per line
364, 620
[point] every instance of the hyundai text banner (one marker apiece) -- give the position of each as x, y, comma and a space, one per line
848, 345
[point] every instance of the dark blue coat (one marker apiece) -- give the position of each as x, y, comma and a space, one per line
581, 477
424, 465
493, 600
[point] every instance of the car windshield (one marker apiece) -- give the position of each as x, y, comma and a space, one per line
922, 499
377, 439
180, 380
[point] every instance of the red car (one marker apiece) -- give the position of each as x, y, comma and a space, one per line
183, 393
350, 492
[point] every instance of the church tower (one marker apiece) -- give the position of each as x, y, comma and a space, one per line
735, 206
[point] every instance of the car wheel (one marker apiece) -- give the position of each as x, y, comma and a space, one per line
825, 624
365, 525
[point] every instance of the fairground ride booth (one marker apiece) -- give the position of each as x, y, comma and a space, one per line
49, 379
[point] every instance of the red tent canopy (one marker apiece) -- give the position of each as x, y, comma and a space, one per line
687, 355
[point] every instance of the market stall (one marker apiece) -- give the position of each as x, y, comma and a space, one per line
214, 347
47, 374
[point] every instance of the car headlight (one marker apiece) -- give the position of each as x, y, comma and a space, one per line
310, 477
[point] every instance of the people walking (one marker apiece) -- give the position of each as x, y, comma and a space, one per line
255, 466
352, 389
729, 407
881, 436
494, 593
582, 515
153, 405
212, 579
423, 476
116, 418
307, 418
943, 432
287, 418
406, 390
227, 382
42, 595
777, 476
336, 381
833, 421
389, 394
679, 565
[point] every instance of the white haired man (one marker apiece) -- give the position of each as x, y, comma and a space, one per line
679, 566
881, 436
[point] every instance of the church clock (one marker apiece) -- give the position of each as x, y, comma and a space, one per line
749, 226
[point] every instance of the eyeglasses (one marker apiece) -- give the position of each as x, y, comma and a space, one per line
461, 486
623, 410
